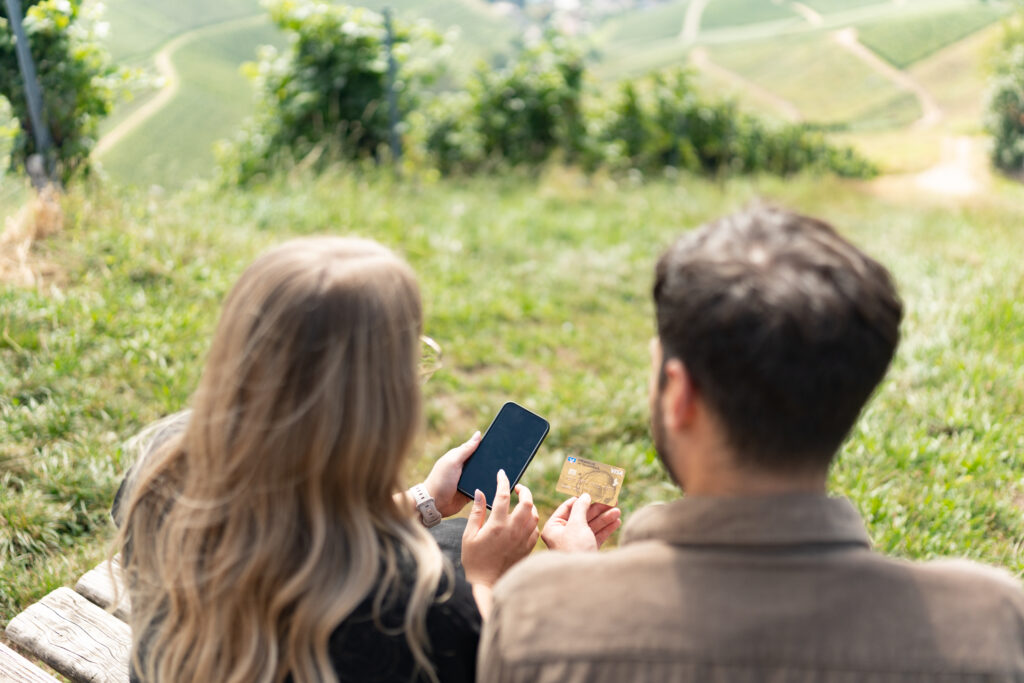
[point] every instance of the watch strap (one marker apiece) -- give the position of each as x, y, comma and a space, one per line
429, 513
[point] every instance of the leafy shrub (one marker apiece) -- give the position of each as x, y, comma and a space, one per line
515, 115
664, 122
325, 97
79, 83
1004, 111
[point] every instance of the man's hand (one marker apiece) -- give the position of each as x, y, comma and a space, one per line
443, 480
490, 548
579, 526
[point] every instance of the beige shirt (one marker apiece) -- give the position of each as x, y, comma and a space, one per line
775, 589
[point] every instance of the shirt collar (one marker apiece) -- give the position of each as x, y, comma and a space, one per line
785, 520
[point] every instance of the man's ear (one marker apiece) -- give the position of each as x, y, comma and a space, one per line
678, 397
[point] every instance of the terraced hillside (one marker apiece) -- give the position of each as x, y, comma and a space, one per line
194, 52
778, 57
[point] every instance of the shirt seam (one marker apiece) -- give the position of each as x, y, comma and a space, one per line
660, 657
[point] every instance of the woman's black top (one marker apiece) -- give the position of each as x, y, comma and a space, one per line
362, 651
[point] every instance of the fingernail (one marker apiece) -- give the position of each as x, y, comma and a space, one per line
476, 434
585, 495
478, 496
501, 473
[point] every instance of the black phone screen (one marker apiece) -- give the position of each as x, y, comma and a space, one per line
508, 444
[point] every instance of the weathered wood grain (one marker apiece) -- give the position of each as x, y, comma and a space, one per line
77, 638
16, 669
97, 586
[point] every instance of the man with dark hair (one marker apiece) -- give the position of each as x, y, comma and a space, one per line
773, 332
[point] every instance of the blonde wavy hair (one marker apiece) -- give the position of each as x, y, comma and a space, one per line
252, 534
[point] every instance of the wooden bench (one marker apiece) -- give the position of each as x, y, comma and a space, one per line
73, 632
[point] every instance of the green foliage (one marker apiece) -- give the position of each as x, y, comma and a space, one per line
664, 122
324, 102
325, 97
903, 41
514, 115
78, 82
1004, 117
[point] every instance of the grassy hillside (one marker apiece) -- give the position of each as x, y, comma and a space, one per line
721, 13
139, 27
646, 24
825, 82
538, 292
177, 143
905, 40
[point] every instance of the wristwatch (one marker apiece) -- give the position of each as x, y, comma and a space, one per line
429, 514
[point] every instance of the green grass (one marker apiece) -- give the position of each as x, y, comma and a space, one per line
903, 41
139, 27
826, 7
176, 144
826, 83
646, 24
725, 13
538, 292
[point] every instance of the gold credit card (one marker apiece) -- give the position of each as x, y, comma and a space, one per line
602, 482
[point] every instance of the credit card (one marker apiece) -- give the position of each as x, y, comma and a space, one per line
579, 475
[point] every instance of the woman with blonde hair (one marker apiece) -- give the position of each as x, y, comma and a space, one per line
265, 536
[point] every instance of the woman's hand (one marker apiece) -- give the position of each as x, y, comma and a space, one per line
444, 478
579, 526
490, 548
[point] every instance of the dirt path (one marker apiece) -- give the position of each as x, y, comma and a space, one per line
701, 61
808, 13
164, 63
962, 172
691, 24
931, 114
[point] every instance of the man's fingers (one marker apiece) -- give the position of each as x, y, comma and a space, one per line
476, 515
502, 497
597, 509
606, 533
604, 519
580, 509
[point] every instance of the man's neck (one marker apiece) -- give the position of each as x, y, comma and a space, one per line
749, 482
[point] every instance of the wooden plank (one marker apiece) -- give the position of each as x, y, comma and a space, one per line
75, 637
17, 669
97, 586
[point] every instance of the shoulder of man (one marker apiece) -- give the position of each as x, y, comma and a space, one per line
972, 583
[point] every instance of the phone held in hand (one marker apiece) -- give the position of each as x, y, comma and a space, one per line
508, 444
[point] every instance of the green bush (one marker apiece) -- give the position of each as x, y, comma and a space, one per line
325, 98
79, 83
663, 121
515, 115
1004, 111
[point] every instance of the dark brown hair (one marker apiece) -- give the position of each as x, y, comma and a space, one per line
784, 327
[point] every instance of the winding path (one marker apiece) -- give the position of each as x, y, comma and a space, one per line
171, 82
691, 24
931, 114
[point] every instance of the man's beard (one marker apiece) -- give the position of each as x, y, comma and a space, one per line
660, 439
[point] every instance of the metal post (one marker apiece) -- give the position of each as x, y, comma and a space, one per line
33, 93
396, 143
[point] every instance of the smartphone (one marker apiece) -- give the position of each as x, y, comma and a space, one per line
508, 444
